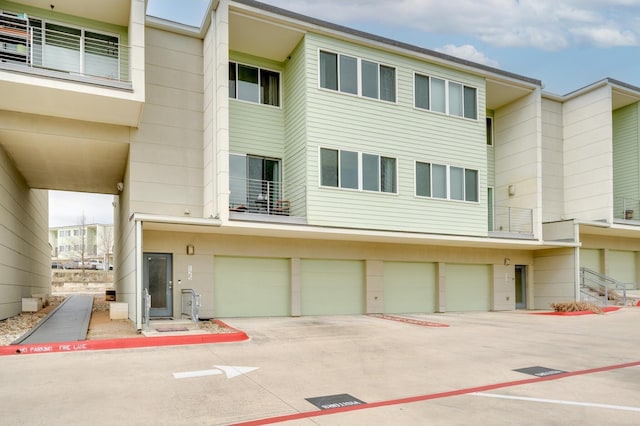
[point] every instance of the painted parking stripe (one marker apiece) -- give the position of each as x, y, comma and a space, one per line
558, 401
419, 398
199, 373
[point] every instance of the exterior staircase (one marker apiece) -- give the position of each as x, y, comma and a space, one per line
604, 290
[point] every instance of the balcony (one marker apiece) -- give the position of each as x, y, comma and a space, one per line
252, 199
511, 222
58, 70
626, 210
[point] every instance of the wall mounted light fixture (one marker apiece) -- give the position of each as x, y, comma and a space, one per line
190, 249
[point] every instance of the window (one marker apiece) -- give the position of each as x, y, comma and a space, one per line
489, 131
446, 182
356, 170
357, 76
254, 84
447, 97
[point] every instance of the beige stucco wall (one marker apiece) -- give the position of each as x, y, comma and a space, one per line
518, 156
555, 277
588, 156
208, 245
166, 154
24, 240
552, 161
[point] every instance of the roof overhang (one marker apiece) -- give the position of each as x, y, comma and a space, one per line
112, 11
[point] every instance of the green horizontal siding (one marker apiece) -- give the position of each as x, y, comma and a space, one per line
254, 128
626, 157
396, 130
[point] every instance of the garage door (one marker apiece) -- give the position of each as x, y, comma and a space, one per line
621, 265
249, 287
409, 287
590, 258
468, 288
332, 287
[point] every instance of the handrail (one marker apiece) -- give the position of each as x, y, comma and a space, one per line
602, 282
190, 305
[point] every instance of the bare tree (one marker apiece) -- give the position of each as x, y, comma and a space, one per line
107, 245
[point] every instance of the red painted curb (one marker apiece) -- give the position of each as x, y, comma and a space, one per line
127, 343
576, 313
464, 391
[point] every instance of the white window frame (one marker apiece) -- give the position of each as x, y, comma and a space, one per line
360, 171
448, 182
446, 96
259, 68
359, 76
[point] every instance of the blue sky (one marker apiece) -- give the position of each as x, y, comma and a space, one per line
567, 44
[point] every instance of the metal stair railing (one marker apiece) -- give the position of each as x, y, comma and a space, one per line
190, 305
603, 284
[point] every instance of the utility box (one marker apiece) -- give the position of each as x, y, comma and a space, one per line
118, 310
31, 304
110, 295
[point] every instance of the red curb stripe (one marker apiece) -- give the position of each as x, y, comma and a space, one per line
465, 391
127, 343
409, 320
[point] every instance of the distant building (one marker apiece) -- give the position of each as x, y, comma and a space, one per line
76, 242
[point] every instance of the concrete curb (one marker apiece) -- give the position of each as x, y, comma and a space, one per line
127, 343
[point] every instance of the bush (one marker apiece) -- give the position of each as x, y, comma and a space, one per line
576, 307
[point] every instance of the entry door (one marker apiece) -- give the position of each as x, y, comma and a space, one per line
521, 287
158, 281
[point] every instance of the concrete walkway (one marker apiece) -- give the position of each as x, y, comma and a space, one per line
69, 322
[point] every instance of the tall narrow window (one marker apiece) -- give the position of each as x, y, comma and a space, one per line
421, 94
470, 108
456, 183
348, 74
270, 85
369, 79
388, 174
370, 172
349, 170
471, 185
329, 167
438, 95
248, 83
387, 83
438, 181
455, 99
423, 179
329, 70
489, 131
232, 80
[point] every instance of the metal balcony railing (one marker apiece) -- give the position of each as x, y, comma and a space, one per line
36, 45
602, 288
512, 220
626, 208
266, 197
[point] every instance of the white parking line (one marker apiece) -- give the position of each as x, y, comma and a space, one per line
557, 401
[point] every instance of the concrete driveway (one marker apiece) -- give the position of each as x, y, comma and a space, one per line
314, 370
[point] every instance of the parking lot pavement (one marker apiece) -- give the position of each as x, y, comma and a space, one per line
313, 370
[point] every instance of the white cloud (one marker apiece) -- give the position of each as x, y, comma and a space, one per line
541, 24
469, 53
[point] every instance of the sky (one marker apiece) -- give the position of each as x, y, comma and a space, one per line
567, 44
